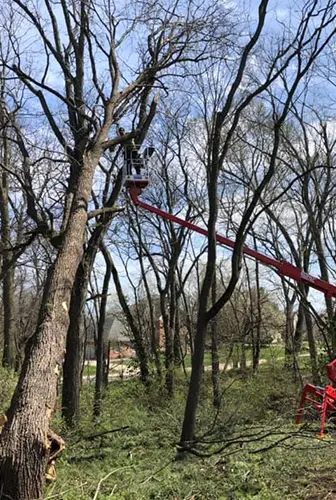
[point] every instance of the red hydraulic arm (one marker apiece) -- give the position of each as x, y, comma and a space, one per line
323, 398
283, 268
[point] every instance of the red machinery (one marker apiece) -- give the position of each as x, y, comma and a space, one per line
324, 398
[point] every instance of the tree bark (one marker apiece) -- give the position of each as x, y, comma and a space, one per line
138, 340
169, 344
72, 369
9, 348
243, 366
299, 329
74, 353
178, 349
100, 337
217, 154
289, 333
312, 346
154, 338
189, 422
23, 441
106, 364
256, 339
214, 353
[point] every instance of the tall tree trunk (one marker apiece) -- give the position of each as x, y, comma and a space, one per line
170, 342
178, 349
256, 338
189, 323
100, 337
138, 340
312, 346
24, 447
289, 334
214, 352
299, 329
154, 339
243, 366
74, 356
9, 349
72, 369
188, 428
189, 420
106, 364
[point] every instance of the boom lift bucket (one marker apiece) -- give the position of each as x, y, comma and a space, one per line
135, 168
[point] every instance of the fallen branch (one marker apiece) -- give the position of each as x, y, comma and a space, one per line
152, 476
107, 476
240, 441
91, 437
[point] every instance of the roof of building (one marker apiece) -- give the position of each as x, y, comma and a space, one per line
114, 330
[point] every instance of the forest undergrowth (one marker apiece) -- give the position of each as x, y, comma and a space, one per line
250, 448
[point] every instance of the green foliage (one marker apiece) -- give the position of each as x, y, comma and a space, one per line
8, 381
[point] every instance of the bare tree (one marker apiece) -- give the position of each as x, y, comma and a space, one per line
301, 51
312, 151
9, 349
72, 43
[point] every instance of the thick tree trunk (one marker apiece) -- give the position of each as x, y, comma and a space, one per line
74, 356
73, 364
189, 422
9, 349
23, 441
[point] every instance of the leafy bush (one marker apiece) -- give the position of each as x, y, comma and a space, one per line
7, 383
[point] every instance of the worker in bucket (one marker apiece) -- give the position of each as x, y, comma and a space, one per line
131, 154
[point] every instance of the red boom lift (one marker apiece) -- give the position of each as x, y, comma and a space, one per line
323, 398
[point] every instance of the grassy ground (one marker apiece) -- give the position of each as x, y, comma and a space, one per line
268, 353
139, 462
90, 370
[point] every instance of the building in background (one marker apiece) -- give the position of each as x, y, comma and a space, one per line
116, 342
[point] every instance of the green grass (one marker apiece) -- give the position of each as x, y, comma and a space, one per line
268, 353
139, 463
90, 370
